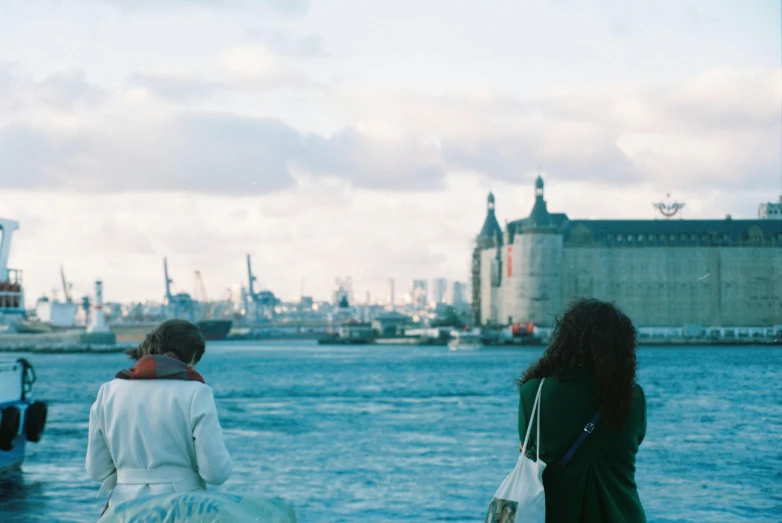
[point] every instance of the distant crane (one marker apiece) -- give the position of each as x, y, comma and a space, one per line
264, 301
201, 286
169, 281
66, 287
206, 306
180, 305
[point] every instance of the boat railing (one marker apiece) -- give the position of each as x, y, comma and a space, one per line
12, 291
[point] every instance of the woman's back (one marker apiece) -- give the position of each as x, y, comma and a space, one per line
156, 425
154, 429
598, 484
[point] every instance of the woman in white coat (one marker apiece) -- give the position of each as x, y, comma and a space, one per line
154, 428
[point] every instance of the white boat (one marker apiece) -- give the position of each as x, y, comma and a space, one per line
21, 418
465, 340
11, 289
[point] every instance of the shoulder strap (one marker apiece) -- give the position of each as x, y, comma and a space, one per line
535, 410
564, 460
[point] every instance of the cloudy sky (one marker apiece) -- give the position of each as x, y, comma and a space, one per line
359, 137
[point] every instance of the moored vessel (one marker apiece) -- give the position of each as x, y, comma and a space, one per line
11, 289
21, 418
465, 340
214, 330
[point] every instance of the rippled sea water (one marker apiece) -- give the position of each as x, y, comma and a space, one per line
349, 434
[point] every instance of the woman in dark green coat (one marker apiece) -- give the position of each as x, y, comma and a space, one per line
590, 366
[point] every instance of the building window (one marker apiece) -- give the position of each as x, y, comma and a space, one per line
672, 237
640, 237
652, 237
683, 237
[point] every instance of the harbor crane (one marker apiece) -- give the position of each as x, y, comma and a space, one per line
206, 306
201, 286
66, 286
263, 301
180, 305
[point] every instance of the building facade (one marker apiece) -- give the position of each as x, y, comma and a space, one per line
439, 290
390, 292
419, 293
770, 211
456, 294
666, 272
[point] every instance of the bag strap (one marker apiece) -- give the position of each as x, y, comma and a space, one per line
535, 410
564, 460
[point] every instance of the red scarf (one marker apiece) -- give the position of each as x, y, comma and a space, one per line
160, 367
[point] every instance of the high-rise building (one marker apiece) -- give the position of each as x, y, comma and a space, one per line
456, 293
439, 289
418, 293
390, 298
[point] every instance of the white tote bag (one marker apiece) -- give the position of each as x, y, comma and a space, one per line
521, 498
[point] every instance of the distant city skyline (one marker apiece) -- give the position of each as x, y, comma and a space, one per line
361, 138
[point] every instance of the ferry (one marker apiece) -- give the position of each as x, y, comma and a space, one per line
465, 340
21, 419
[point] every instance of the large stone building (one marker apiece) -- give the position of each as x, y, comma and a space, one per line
666, 272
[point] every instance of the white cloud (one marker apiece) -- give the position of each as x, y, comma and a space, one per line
250, 62
286, 44
63, 132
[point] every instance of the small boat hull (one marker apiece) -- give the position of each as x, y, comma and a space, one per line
11, 460
21, 419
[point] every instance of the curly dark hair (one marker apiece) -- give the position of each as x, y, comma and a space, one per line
180, 337
596, 336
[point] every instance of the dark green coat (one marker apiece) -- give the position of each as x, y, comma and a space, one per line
598, 485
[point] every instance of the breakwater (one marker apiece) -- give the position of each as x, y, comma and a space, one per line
65, 342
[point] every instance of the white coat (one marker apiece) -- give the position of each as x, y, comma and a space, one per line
150, 437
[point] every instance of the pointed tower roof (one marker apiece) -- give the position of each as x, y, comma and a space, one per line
539, 217
491, 227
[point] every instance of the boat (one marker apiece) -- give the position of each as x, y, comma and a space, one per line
468, 340
22, 419
183, 306
214, 330
12, 310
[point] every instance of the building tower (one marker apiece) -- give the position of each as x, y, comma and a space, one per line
98, 318
439, 289
390, 297
419, 293
535, 287
487, 238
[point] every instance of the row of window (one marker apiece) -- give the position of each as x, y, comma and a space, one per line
641, 238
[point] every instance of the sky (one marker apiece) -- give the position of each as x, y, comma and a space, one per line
354, 138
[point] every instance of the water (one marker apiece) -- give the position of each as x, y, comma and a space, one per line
420, 434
